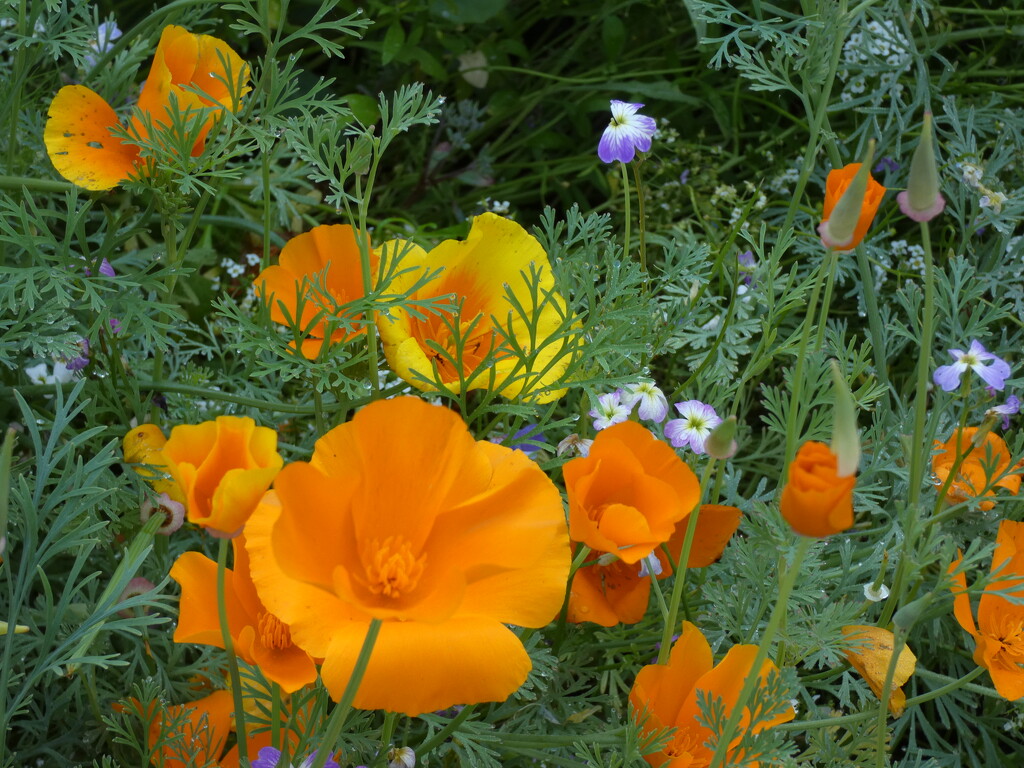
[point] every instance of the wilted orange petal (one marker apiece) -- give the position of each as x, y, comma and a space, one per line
80, 144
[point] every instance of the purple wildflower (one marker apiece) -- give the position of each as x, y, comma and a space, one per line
886, 164
1006, 410
626, 133
995, 374
269, 757
695, 426
82, 360
105, 269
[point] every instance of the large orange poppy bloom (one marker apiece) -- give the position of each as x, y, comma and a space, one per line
668, 694
508, 333
222, 468
816, 500
330, 251
258, 636
78, 133
402, 516
999, 633
983, 468
836, 184
617, 593
627, 495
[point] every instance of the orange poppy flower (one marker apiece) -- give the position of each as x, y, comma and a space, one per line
836, 184
508, 331
982, 471
870, 654
627, 495
223, 468
473, 537
258, 636
816, 500
998, 638
668, 694
330, 250
617, 593
193, 734
78, 134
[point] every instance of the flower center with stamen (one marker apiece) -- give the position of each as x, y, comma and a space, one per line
1011, 635
687, 745
391, 567
273, 633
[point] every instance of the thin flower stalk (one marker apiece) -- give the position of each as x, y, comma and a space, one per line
340, 712
774, 622
229, 647
680, 567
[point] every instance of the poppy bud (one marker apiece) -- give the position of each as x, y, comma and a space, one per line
850, 203
721, 443
845, 438
921, 200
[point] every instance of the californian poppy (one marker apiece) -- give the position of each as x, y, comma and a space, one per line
194, 71
669, 695
816, 500
847, 234
982, 470
327, 253
618, 592
998, 640
258, 637
627, 495
508, 330
471, 539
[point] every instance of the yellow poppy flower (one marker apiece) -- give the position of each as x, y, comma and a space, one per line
508, 331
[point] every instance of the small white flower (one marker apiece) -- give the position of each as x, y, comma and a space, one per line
253, 259
650, 565
653, 403
574, 444
38, 374
695, 426
609, 410
972, 174
401, 757
993, 200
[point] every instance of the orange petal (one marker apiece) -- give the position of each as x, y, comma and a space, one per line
664, 688
609, 594
470, 661
716, 523
80, 144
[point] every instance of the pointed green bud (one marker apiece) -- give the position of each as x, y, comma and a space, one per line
839, 229
921, 201
845, 438
721, 443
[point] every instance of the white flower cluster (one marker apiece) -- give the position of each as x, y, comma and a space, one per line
879, 41
234, 269
912, 255
972, 175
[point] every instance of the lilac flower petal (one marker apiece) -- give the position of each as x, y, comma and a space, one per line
624, 109
994, 374
677, 432
615, 145
268, 758
948, 376
106, 270
1010, 407
977, 349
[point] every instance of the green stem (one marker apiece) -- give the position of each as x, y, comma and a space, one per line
341, 710
826, 302
28, 182
387, 732
680, 570
754, 677
229, 648
640, 215
426, 747
792, 416
867, 280
924, 365
628, 212
919, 451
